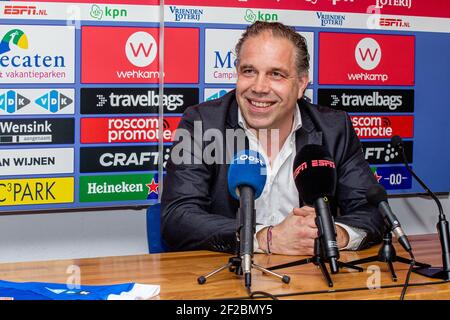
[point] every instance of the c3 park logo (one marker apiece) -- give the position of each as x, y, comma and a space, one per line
363, 100
14, 162
37, 101
118, 187
37, 54
131, 129
120, 159
136, 100
33, 131
36, 191
384, 152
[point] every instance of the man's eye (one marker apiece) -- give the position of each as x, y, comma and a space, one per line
248, 71
276, 74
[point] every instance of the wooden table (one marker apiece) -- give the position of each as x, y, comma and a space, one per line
177, 275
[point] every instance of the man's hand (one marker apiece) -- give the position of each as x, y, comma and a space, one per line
296, 233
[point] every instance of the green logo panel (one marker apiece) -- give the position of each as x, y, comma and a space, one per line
118, 188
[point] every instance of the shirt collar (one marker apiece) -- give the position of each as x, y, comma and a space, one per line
297, 119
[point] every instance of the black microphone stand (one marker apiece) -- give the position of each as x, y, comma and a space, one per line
442, 227
318, 259
235, 263
387, 254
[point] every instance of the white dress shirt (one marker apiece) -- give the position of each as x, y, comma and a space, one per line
280, 194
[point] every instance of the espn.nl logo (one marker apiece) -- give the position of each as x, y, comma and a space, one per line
24, 10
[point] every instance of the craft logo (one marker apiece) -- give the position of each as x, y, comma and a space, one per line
36, 191
36, 161
251, 16
45, 102
141, 49
133, 55
394, 22
24, 11
361, 100
118, 187
393, 3
377, 127
119, 159
31, 131
133, 129
107, 13
136, 100
28, 54
385, 153
185, 14
366, 59
393, 178
330, 20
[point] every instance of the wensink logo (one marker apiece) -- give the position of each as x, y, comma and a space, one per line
251, 16
141, 49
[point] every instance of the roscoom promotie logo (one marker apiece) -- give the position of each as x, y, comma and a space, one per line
366, 59
383, 127
37, 54
133, 55
132, 129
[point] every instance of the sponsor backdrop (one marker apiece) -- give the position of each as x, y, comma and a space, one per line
79, 88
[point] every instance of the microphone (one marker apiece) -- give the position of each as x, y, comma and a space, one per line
315, 179
442, 225
246, 181
376, 196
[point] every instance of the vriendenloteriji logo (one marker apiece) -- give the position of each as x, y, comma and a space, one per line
141, 49
366, 59
368, 53
16, 37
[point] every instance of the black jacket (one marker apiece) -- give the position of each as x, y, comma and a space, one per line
199, 213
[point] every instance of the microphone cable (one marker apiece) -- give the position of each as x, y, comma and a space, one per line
263, 294
408, 275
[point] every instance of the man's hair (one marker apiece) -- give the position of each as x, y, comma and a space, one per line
281, 31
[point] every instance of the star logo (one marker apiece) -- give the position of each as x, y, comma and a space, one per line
377, 176
152, 187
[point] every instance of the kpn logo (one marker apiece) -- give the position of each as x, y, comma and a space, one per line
141, 49
53, 101
252, 16
12, 101
98, 13
16, 37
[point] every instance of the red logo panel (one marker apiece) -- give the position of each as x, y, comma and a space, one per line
381, 127
366, 59
131, 55
131, 129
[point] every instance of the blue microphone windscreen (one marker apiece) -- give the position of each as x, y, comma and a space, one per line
248, 168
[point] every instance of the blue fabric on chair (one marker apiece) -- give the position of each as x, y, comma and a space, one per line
155, 243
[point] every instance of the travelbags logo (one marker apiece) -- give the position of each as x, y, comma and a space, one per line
133, 55
366, 59
37, 54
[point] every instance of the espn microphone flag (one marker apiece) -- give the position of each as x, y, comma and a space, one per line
248, 168
314, 173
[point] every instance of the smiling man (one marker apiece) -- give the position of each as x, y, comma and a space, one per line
266, 111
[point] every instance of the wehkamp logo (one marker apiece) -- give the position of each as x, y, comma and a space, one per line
141, 49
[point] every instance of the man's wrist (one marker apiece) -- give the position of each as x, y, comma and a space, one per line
342, 237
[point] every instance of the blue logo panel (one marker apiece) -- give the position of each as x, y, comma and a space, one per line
393, 178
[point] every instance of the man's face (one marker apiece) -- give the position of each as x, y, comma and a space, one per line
268, 84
